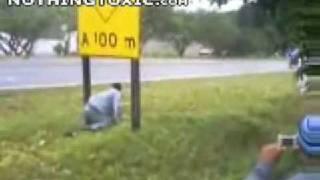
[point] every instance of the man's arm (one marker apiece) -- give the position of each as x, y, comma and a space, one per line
260, 172
269, 155
117, 106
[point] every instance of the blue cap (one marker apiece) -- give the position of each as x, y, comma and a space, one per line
309, 135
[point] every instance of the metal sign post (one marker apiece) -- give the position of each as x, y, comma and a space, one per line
86, 74
135, 95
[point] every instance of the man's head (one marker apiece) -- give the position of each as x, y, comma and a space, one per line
117, 86
309, 136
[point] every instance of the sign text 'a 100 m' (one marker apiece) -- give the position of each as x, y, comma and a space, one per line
104, 39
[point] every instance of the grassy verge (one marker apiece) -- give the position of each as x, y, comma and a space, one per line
192, 130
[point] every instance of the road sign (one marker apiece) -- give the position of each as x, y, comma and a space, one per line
109, 31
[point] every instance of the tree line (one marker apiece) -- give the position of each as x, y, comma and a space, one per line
239, 33
258, 28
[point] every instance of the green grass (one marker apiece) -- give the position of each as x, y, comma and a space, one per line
192, 130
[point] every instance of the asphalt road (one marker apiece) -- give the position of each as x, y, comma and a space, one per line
53, 72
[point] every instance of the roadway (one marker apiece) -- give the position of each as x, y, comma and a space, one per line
58, 72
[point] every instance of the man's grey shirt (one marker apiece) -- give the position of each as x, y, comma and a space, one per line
107, 103
264, 172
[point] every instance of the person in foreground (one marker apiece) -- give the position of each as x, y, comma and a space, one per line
307, 146
103, 109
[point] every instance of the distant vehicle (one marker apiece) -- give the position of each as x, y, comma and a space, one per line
206, 52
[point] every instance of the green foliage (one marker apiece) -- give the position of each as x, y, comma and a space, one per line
23, 22
166, 24
22, 25
156, 22
180, 33
257, 41
260, 34
67, 16
251, 15
218, 31
243, 33
192, 129
284, 14
236, 33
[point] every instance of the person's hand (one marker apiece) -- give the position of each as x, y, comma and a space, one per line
270, 154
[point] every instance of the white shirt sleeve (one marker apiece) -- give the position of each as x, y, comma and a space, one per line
117, 106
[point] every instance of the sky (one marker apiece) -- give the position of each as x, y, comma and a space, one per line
196, 5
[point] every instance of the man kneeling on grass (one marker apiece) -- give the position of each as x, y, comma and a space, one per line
103, 109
